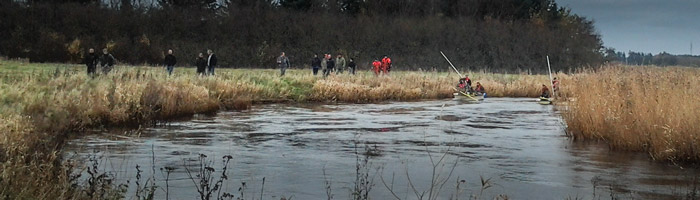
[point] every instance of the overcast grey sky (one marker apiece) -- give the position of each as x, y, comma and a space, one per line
650, 26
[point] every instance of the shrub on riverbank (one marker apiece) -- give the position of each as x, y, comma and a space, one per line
649, 109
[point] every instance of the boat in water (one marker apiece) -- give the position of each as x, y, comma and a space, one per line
462, 96
545, 101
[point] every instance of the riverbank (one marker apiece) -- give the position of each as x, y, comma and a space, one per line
43, 103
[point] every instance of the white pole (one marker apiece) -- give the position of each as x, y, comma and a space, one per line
453, 66
551, 81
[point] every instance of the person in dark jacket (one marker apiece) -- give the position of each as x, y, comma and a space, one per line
91, 62
211, 62
201, 64
324, 63
283, 63
340, 64
315, 64
170, 62
352, 66
545, 92
330, 64
107, 61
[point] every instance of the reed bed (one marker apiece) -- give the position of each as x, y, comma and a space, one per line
647, 109
43, 104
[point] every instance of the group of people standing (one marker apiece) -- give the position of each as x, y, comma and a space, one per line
205, 66
92, 60
329, 64
383, 66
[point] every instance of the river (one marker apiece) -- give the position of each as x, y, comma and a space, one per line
519, 146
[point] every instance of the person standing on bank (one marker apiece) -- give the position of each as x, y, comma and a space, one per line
352, 66
330, 64
315, 64
107, 61
201, 64
340, 63
283, 63
324, 63
91, 62
211, 62
386, 65
377, 66
170, 62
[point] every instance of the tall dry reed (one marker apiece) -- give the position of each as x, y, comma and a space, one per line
649, 109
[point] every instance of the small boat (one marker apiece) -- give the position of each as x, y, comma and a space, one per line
468, 97
545, 101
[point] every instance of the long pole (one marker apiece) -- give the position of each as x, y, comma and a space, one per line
551, 81
453, 66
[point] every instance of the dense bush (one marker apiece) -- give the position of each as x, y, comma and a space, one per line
508, 36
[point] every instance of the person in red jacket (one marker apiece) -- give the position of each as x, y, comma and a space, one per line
377, 65
479, 88
465, 84
386, 64
555, 85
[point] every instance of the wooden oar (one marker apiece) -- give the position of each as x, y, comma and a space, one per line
551, 81
453, 66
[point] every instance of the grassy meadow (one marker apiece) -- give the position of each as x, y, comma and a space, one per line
41, 105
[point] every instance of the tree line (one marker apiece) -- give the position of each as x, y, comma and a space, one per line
498, 36
660, 59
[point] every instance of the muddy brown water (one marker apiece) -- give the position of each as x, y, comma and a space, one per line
516, 143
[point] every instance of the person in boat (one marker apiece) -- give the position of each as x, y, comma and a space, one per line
555, 85
479, 88
469, 87
465, 85
545, 91
462, 85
